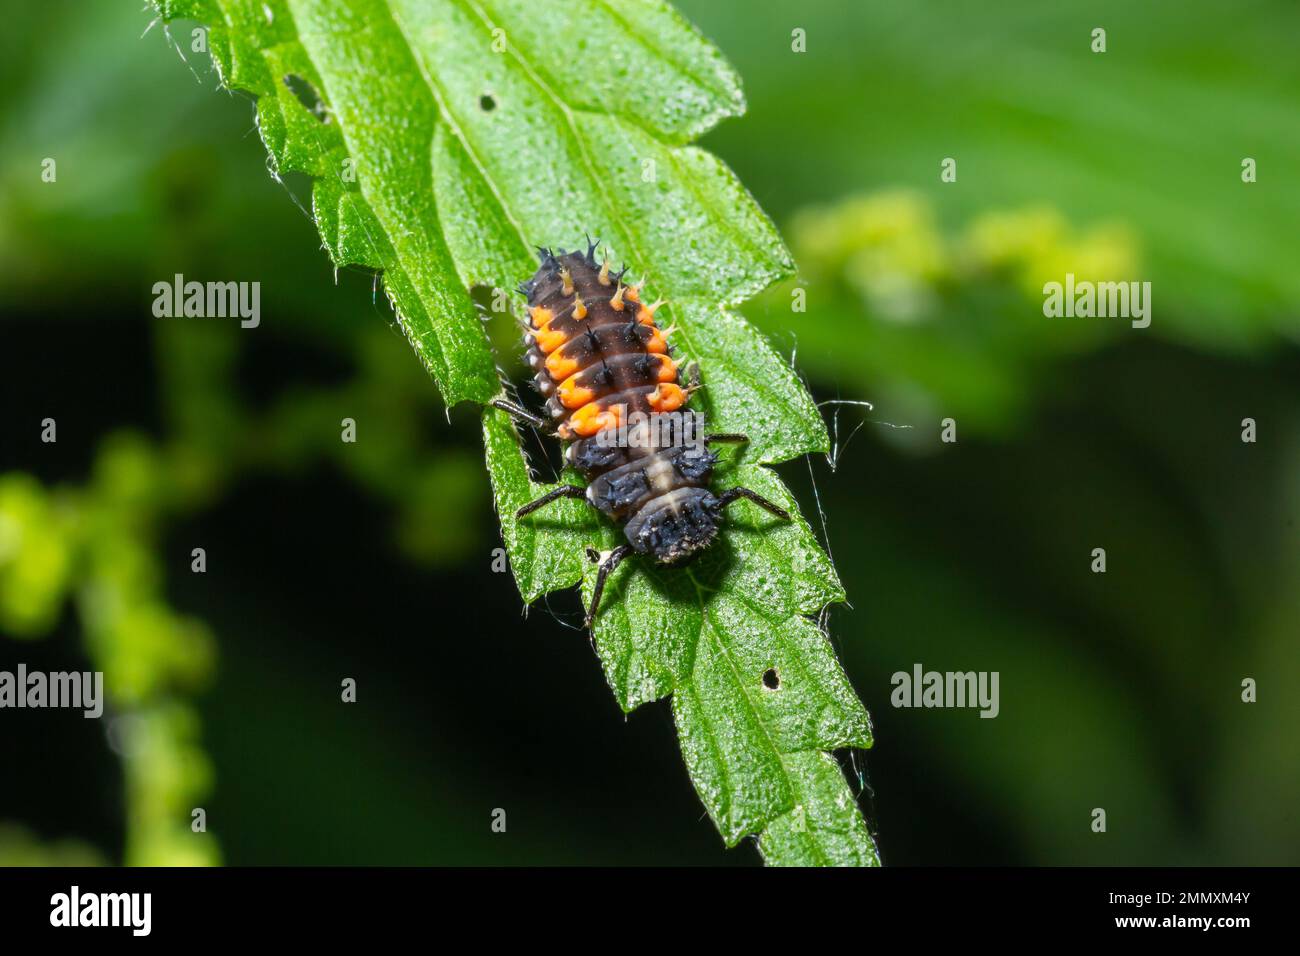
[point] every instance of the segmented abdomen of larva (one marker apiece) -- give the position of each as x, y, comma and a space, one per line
600, 357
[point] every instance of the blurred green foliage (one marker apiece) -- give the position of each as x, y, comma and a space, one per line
97, 546
938, 325
1119, 690
19, 847
1152, 131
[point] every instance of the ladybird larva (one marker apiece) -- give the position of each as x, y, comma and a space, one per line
613, 393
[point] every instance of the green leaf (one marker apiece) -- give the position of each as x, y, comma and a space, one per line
456, 135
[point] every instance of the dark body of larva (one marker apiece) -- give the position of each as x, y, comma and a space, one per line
604, 368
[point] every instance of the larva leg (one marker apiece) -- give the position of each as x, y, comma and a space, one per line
735, 494
606, 568
519, 413
564, 491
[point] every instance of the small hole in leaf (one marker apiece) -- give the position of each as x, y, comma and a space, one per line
306, 95
486, 103
771, 679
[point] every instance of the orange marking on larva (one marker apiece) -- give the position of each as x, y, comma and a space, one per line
656, 343
646, 314
591, 418
667, 397
560, 367
604, 271
579, 308
617, 300
548, 340
634, 291
667, 369
540, 315
572, 395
